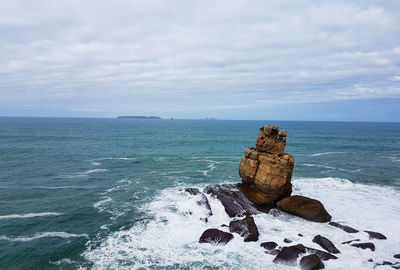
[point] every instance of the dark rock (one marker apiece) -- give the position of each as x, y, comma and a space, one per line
394, 265
232, 198
345, 228
326, 244
272, 252
269, 245
287, 240
216, 237
289, 255
224, 225
325, 256
348, 242
311, 262
204, 201
193, 191
300, 235
304, 207
375, 235
371, 246
245, 227
396, 256
370, 260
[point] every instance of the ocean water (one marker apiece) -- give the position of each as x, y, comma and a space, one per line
107, 193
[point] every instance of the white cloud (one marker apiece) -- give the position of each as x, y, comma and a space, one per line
195, 54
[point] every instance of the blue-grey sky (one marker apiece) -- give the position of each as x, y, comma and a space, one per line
284, 60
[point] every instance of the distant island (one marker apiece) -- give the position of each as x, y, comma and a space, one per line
139, 117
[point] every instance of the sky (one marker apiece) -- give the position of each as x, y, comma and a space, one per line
281, 60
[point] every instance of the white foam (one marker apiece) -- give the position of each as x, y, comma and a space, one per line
118, 158
63, 261
328, 153
42, 235
62, 187
170, 237
95, 163
95, 171
102, 202
30, 215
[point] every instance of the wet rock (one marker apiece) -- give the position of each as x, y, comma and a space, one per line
326, 244
269, 245
272, 252
236, 204
311, 262
204, 201
370, 260
246, 227
345, 228
289, 255
192, 191
394, 265
215, 237
300, 235
287, 240
348, 242
325, 256
396, 256
371, 246
375, 235
205, 220
304, 207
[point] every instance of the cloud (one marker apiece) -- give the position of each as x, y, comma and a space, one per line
195, 55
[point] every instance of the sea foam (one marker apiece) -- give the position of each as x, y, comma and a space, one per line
171, 235
30, 215
41, 235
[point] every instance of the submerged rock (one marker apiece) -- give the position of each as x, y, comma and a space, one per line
287, 240
311, 262
215, 237
375, 235
236, 204
269, 245
396, 256
348, 242
325, 256
246, 227
371, 246
326, 244
345, 228
304, 207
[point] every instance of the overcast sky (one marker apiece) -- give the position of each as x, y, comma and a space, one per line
299, 60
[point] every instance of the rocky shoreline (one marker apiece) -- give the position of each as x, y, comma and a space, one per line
266, 188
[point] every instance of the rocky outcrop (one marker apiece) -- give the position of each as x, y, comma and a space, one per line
311, 262
269, 245
304, 207
375, 235
326, 244
288, 255
370, 246
266, 170
215, 237
246, 227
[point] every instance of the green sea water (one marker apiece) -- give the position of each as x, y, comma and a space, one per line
100, 193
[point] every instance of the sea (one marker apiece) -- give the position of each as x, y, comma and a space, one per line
80, 193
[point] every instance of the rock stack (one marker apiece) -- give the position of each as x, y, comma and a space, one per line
266, 170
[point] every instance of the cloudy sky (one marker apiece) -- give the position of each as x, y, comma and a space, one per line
298, 60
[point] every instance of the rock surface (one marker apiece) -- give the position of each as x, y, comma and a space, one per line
269, 245
375, 235
304, 207
246, 227
311, 262
236, 204
371, 246
289, 255
215, 237
326, 244
266, 170
396, 256
345, 228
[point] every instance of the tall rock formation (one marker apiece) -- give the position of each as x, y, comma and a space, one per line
266, 170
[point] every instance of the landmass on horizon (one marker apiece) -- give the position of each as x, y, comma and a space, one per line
138, 117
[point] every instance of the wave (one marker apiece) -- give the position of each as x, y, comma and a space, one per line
42, 235
61, 187
327, 153
100, 203
118, 158
31, 215
170, 236
85, 173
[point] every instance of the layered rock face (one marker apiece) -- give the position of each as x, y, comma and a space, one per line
266, 170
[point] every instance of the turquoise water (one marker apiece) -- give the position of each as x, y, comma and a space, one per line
70, 187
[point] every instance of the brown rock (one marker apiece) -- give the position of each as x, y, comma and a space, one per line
345, 228
304, 207
270, 140
266, 171
326, 244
